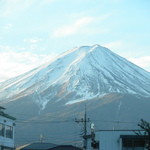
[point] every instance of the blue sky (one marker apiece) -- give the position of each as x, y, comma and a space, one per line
34, 31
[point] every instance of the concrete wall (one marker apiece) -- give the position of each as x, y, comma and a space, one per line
109, 140
4, 141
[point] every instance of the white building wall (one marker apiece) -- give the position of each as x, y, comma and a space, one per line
4, 141
109, 140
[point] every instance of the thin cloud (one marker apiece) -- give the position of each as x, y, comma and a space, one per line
33, 40
73, 28
8, 26
48, 1
10, 7
82, 24
114, 45
143, 62
13, 63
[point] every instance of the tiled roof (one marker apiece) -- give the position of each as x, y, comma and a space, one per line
39, 146
6, 115
66, 147
2, 107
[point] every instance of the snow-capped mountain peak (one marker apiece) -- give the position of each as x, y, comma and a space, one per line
82, 73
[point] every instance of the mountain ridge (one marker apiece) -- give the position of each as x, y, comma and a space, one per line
86, 72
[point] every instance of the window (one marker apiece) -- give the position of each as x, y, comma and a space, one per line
131, 143
6, 148
2, 129
9, 132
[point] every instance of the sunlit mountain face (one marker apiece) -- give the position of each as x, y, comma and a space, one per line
112, 88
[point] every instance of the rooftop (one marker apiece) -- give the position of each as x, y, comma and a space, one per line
5, 115
38, 146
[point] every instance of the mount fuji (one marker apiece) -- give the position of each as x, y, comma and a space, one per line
108, 84
84, 73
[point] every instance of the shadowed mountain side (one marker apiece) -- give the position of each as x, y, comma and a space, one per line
57, 121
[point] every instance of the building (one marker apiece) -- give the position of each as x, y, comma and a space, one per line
7, 124
65, 147
118, 140
37, 146
47, 146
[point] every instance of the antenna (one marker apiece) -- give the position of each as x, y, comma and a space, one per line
84, 121
41, 138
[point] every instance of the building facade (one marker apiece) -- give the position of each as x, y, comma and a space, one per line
118, 140
7, 124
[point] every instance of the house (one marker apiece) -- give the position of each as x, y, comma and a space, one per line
118, 140
47, 146
134, 142
66, 147
37, 146
7, 124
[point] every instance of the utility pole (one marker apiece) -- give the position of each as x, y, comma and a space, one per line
94, 143
84, 121
41, 138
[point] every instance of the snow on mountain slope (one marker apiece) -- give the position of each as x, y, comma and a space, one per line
85, 72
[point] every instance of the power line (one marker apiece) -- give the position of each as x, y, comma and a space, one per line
43, 121
115, 121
